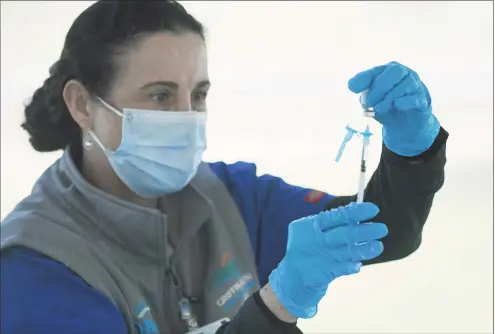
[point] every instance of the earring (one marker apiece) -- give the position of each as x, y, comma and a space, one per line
88, 142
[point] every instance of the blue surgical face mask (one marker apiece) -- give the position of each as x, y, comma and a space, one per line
160, 151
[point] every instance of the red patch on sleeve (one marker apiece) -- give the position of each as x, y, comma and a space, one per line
314, 196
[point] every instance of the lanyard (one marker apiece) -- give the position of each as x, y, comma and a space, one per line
186, 314
184, 303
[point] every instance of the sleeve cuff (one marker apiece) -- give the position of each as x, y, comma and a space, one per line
282, 326
432, 152
255, 317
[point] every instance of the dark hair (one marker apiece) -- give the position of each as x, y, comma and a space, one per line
96, 38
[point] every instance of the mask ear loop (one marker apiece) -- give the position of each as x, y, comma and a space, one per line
116, 111
93, 135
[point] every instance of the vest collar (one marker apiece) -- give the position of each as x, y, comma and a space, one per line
137, 229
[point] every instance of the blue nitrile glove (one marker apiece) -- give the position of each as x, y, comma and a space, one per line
402, 104
321, 248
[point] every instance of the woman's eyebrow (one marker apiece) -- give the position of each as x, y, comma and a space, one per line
174, 85
168, 84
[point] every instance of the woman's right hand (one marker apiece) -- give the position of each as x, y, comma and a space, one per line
321, 248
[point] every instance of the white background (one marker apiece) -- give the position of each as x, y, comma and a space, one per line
280, 99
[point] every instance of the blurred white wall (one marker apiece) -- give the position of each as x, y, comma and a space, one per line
280, 99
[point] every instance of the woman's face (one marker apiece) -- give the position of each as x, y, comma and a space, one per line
164, 71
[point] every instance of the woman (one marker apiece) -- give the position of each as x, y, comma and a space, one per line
130, 232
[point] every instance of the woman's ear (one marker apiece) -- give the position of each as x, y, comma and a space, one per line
78, 101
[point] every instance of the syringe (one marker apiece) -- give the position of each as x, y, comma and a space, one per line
367, 112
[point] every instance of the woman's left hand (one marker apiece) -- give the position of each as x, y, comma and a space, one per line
402, 104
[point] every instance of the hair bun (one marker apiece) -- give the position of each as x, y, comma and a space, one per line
47, 119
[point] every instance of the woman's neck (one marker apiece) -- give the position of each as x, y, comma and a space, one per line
96, 169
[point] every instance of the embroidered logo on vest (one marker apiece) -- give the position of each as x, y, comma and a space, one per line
232, 284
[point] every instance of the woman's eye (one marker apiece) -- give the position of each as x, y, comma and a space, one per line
160, 97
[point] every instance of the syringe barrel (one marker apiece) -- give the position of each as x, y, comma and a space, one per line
362, 171
360, 194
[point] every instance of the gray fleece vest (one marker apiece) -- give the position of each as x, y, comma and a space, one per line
142, 259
